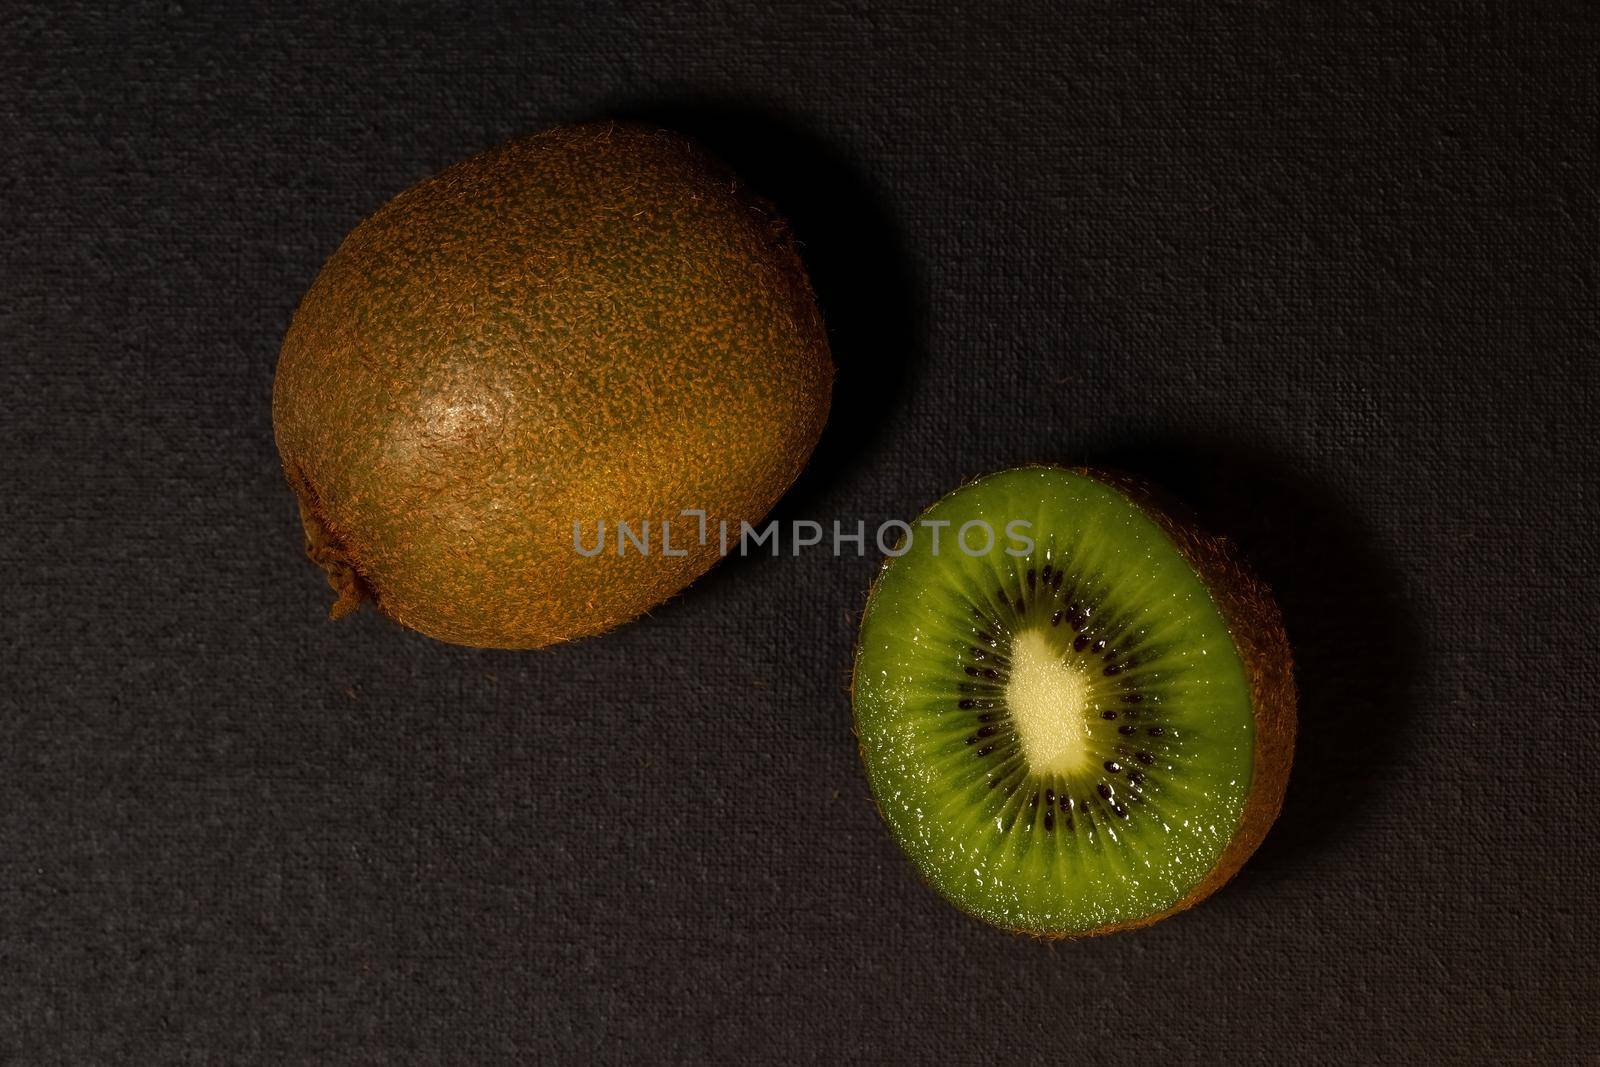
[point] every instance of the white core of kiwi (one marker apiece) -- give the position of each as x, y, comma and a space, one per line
1049, 699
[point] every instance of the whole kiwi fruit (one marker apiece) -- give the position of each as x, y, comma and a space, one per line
594, 325
1077, 712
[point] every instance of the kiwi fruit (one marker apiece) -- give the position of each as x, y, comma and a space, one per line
1082, 728
596, 324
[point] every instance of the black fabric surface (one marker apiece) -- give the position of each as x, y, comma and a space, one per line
1325, 271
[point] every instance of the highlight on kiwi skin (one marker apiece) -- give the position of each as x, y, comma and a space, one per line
1081, 735
598, 321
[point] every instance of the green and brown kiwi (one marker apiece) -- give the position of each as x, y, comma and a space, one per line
1084, 729
597, 323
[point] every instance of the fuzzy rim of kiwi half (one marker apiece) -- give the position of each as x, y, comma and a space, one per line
1056, 761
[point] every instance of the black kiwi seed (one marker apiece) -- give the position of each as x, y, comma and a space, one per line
1122, 812
1033, 577
1136, 777
1113, 767
1049, 820
978, 653
1108, 715
1049, 797
1143, 757
1079, 643
985, 750
1104, 791
1132, 698
1155, 731
966, 703
986, 731
1126, 730
1055, 619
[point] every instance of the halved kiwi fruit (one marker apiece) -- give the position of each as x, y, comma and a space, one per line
1082, 723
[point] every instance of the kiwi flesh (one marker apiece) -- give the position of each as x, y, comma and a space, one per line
596, 324
1082, 731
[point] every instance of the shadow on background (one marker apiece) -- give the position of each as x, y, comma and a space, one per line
1356, 643
853, 250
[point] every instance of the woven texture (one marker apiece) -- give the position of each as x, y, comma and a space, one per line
1325, 271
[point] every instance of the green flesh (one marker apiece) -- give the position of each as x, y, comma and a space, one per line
1047, 850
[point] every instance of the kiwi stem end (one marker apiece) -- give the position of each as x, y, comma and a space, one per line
326, 550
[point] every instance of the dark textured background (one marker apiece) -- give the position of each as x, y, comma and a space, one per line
1327, 271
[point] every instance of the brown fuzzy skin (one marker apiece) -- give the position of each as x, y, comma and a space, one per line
593, 323
1256, 626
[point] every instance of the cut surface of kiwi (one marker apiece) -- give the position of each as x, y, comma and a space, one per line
1083, 728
